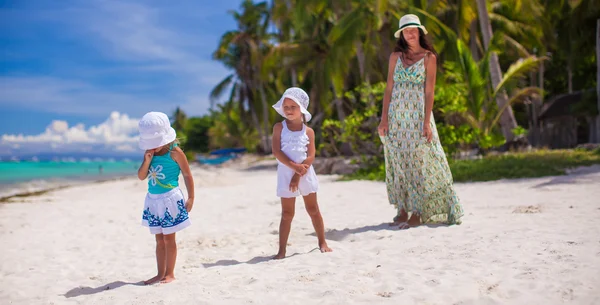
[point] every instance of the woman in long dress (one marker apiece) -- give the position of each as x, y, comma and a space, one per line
418, 178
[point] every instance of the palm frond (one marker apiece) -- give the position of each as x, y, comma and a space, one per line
518, 69
519, 47
517, 97
219, 89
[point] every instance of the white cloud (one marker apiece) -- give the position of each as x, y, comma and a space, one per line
117, 134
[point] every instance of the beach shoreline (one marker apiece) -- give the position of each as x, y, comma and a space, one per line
21, 190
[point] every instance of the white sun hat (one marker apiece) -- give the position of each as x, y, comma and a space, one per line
409, 21
155, 130
297, 95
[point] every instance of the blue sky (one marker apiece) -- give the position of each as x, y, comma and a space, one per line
98, 62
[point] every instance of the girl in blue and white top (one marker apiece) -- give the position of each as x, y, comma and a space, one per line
294, 148
165, 208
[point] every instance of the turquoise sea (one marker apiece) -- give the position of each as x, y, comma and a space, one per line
31, 176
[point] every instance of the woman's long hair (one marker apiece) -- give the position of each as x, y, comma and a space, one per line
424, 42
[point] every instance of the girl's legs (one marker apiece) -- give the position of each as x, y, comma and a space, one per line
171, 257
160, 260
288, 207
312, 207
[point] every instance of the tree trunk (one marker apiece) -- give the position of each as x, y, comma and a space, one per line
360, 55
473, 41
294, 78
534, 130
569, 74
256, 124
267, 129
386, 46
507, 119
537, 108
597, 125
345, 148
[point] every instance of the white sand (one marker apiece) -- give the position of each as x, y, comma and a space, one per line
534, 241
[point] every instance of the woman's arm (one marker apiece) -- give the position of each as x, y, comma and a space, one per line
179, 156
276, 149
387, 96
430, 72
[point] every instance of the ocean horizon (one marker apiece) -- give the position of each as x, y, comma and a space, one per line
19, 177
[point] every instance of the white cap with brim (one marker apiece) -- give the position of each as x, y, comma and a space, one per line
409, 21
297, 95
155, 131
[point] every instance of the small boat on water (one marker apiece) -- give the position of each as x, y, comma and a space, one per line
217, 157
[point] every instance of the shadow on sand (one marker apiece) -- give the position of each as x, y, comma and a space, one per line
578, 176
339, 235
83, 290
265, 166
256, 260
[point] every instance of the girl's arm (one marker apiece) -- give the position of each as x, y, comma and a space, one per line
179, 156
143, 170
276, 149
430, 71
310, 158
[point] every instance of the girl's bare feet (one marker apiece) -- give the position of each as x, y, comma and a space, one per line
167, 279
153, 280
324, 248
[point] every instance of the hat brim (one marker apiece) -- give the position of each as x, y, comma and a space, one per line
279, 107
397, 34
159, 141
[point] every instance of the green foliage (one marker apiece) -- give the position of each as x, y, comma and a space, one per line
197, 133
475, 101
506, 166
179, 120
339, 50
522, 165
228, 130
190, 155
454, 137
520, 131
359, 129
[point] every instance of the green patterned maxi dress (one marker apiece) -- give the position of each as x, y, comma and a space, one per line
418, 177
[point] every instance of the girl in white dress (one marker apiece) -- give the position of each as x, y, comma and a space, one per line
294, 148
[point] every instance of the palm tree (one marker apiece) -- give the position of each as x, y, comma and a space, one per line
243, 50
322, 51
507, 118
469, 78
179, 120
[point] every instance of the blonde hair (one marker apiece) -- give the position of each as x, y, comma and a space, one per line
176, 141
